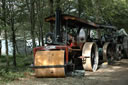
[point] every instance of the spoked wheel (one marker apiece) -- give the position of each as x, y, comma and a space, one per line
105, 47
125, 45
108, 52
119, 53
91, 57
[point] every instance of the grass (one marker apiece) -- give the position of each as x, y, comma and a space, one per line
10, 73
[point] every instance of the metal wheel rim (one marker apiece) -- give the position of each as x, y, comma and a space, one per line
91, 62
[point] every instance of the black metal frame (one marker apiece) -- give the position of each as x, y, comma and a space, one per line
50, 66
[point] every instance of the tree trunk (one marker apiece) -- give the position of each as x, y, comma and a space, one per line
14, 43
38, 16
13, 40
79, 8
6, 42
51, 13
31, 9
32, 18
0, 44
40, 19
57, 4
11, 5
5, 31
6, 45
25, 48
95, 4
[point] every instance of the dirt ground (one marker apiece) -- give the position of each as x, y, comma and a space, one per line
116, 74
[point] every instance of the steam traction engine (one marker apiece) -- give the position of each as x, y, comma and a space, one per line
68, 48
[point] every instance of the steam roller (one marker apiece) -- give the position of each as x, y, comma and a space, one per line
70, 47
49, 63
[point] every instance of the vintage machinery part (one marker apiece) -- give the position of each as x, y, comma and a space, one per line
105, 46
109, 52
49, 63
119, 49
81, 36
125, 46
91, 56
50, 38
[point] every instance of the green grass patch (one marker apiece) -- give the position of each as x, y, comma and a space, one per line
10, 73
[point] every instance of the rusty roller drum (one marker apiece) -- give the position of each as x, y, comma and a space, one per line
105, 48
91, 56
109, 52
49, 58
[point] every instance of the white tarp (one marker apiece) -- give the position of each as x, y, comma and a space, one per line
122, 32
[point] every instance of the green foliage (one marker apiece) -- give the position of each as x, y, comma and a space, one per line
9, 76
10, 73
112, 12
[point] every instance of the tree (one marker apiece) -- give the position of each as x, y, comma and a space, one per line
51, 13
58, 4
40, 10
79, 8
31, 8
12, 22
5, 31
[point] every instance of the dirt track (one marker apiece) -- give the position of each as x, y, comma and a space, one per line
116, 74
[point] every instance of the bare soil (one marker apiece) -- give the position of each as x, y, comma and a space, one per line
115, 74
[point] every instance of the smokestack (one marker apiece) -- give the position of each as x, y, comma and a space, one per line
58, 25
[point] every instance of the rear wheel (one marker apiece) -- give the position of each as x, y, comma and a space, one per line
119, 52
108, 52
91, 57
125, 45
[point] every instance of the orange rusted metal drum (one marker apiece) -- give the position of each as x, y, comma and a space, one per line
49, 58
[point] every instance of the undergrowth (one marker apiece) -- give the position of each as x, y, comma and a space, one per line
10, 73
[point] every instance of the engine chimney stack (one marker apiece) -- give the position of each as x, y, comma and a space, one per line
58, 25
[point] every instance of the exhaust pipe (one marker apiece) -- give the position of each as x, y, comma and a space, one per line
58, 25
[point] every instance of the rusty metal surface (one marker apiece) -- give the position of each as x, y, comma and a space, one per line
72, 21
105, 47
49, 58
88, 63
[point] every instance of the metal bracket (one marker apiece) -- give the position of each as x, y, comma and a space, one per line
84, 57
